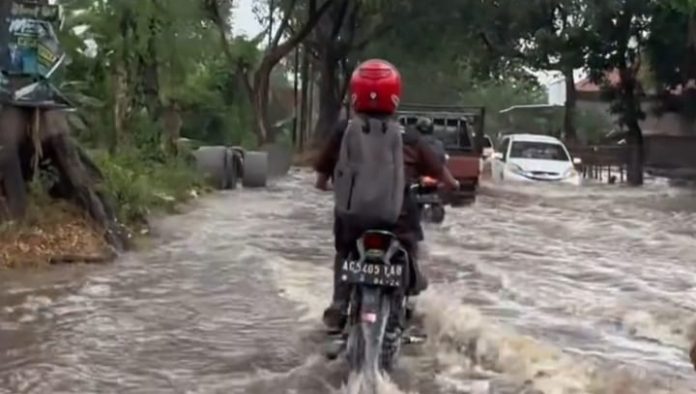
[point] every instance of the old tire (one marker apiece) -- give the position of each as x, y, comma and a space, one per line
255, 169
13, 185
212, 162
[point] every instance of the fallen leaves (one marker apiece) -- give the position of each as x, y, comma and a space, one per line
51, 233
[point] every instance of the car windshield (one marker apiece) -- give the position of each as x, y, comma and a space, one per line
538, 150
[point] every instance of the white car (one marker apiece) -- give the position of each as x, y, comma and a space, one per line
486, 155
488, 149
531, 157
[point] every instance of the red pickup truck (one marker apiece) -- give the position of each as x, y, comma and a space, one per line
455, 126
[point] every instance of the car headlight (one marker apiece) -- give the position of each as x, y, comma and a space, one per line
571, 172
514, 168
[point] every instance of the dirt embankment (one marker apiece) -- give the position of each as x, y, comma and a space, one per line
53, 232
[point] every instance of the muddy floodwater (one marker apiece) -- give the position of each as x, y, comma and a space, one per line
534, 289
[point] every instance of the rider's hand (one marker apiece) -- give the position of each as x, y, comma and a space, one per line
452, 186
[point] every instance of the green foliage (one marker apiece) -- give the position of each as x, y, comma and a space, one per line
671, 54
166, 52
497, 95
592, 127
138, 184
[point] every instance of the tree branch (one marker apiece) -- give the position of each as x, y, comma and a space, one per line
283, 25
283, 49
496, 50
339, 21
373, 35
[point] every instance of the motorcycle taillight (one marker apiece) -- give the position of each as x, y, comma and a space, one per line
373, 241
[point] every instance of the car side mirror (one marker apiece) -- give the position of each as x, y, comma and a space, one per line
577, 161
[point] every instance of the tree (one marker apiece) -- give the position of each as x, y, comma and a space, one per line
671, 53
255, 73
341, 35
619, 32
549, 35
140, 57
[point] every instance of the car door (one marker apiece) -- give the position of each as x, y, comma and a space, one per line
498, 162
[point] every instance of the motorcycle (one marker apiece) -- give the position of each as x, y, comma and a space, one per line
378, 272
429, 200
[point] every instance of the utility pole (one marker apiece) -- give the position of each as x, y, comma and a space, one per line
305, 85
296, 99
310, 104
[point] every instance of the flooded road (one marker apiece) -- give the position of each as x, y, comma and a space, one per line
533, 290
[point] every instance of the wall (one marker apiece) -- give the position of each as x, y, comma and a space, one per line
664, 151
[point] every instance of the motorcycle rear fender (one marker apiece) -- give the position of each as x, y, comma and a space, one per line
370, 304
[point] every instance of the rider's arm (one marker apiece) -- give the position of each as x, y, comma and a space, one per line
449, 179
429, 165
326, 161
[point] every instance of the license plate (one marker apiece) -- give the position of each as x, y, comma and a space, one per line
428, 199
375, 274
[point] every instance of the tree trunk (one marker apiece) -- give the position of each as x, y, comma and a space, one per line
171, 125
310, 103
78, 176
329, 100
635, 157
147, 80
304, 97
631, 113
12, 186
570, 106
296, 98
119, 88
261, 90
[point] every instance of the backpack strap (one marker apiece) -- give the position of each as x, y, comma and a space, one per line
366, 124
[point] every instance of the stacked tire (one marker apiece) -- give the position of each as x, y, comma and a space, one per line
224, 167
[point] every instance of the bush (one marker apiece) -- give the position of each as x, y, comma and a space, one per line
142, 182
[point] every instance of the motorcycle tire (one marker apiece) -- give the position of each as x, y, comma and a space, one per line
437, 213
391, 343
426, 215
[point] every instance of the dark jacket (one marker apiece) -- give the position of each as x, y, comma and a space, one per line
437, 146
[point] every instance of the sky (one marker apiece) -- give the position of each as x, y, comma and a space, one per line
244, 21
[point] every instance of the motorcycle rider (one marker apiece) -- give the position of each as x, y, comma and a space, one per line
419, 160
426, 128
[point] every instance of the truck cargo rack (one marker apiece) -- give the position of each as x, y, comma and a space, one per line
473, 116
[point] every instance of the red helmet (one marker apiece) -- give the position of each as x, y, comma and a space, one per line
375, 87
